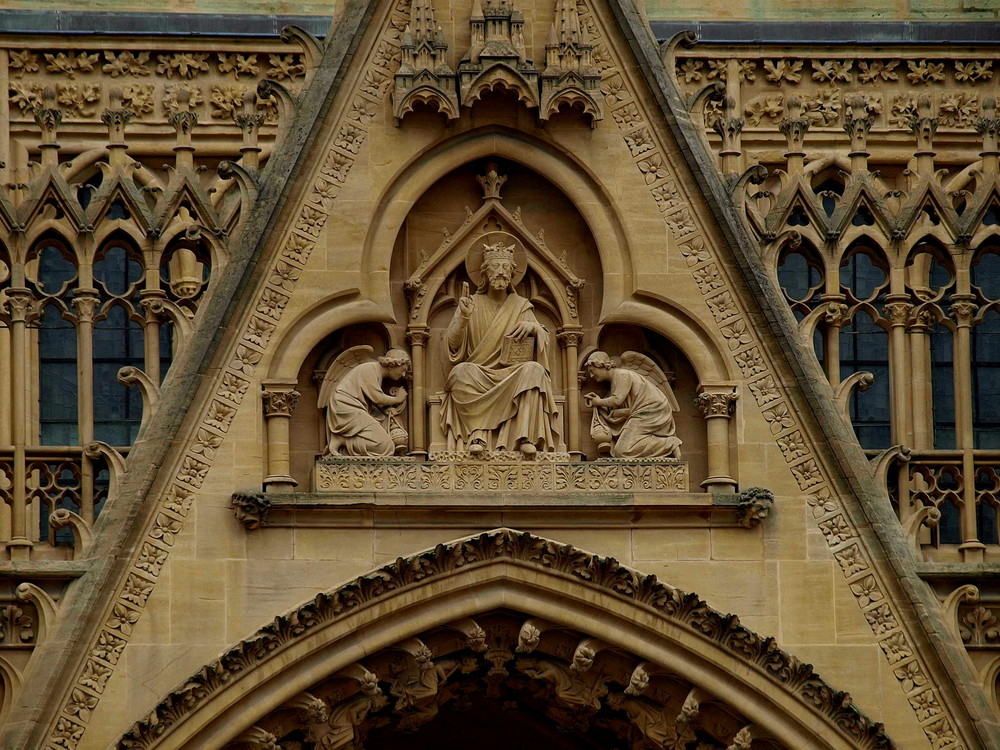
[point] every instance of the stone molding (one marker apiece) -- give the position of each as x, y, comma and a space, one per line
677, 607
507, 474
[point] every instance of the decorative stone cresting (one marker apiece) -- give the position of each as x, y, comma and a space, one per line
508, 473
685, 610
629, 112
125, 608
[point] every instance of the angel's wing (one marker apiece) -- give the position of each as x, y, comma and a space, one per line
640, 363
345, 361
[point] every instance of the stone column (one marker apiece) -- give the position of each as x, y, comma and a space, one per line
20, 308
85, 302
835, 319
151, 303
717, 404
279, 400
570, 340
417, 338
963, 309
920, 379
898, 310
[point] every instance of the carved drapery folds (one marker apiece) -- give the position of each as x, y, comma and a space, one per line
497, 60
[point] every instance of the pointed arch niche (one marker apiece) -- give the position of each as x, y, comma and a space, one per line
510, 633
563, 278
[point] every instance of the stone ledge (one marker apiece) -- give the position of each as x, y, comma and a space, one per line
505, 475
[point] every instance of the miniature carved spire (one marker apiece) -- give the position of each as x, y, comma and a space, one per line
184, 121
424, 75
48, 117
924, 126
988, 126
570, 76
496, 55
794, 127
858, 120
250, 122
116, 118
730, 127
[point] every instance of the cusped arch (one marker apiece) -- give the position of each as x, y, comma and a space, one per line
573, 178
511, 570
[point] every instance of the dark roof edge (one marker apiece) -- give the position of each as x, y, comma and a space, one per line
75, 22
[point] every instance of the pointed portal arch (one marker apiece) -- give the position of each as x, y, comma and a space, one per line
581, 620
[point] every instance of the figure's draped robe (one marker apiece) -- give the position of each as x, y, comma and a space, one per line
352, 428
640, 416
510, 402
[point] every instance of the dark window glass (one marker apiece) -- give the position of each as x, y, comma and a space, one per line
949, 530
54, 270
798, 278
986, 522
864, 346
943, 387
861, 276
986, 382
118, 342
57, 382
986, 275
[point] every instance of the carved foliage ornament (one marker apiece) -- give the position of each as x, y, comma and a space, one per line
686, 610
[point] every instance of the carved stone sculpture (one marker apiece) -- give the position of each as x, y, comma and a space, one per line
654, 722
636, 418
498, 394
361, 418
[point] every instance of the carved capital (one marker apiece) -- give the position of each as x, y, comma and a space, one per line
858, 119
151, 303
117, 117
279, 403
835, 314
249, 122
962, 309
183, 121
48, 116
755, 503
251, 509
569, 338
898, 313
85, 302
418, 336
716, 404
20, 305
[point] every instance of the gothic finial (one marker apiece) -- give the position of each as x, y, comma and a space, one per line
492, 181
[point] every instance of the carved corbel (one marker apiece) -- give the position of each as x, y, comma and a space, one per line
862, 381
245, 179
585, 653
251, 509
83, 536
925, 515
44, 604
831, 312
884, 460
691, 707
366, 679
312, 710
743, 739
754, 506
966, 593
254, 738
638, 681
312, 48
149, 390
475, 636
287, 101
115, 461
531, 634
668, 52
180, 317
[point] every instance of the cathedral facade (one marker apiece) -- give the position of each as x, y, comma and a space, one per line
508, 373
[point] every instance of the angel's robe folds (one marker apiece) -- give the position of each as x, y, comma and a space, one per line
352, 428
640, 415
509, 403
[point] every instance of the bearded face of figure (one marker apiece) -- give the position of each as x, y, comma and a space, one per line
499, 273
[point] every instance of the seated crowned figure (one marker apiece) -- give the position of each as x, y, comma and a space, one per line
498, 394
